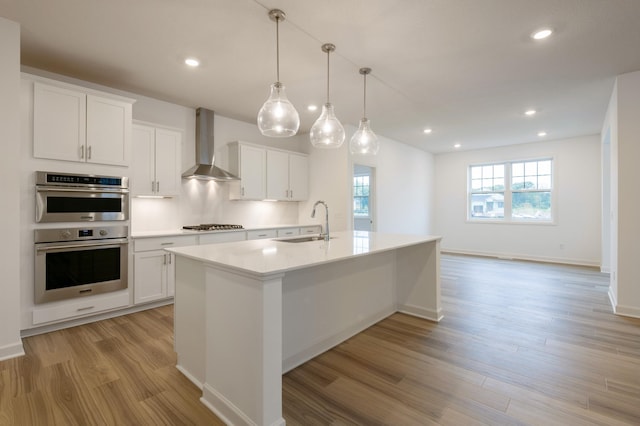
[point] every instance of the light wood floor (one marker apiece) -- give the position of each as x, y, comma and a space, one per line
521, 343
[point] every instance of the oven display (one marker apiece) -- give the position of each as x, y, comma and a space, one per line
85, 233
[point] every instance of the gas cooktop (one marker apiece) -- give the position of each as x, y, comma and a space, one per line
212, 227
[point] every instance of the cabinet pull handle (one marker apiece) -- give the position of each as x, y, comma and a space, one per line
85, 308
82, 152
242, 191
169, 258
167, 243
262, 235
157, 186
153, 186
89, 152
291, 193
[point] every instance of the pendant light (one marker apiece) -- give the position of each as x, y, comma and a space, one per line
278, 118
364, 141
327, 132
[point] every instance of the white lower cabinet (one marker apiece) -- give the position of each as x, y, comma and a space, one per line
312, 229
261, 233
154, 268
288, 232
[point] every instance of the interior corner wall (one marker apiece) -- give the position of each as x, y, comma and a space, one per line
575, 235
625, 202
10, 342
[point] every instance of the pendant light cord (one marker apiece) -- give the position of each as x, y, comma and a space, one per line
328, 53
278, 49
364, 103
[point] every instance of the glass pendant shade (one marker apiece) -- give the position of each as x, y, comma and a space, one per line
364, 141
327, 132
278, 117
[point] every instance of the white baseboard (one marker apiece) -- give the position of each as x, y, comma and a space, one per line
190, 376
417, 311
12, 350
226, 410
515, 256
627, 311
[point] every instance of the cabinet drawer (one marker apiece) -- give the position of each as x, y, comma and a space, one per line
145, 244
306, 230
288, 232
263, 233
80, 307
223, 237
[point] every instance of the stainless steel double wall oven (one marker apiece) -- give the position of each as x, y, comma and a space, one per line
80, 260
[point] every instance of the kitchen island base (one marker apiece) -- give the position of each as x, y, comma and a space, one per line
238, 331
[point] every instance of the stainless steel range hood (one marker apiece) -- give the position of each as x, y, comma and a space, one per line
205, 154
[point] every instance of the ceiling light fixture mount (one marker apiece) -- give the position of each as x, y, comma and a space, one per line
278, 118
364, 141
327, 131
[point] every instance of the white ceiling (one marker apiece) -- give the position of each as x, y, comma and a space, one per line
466, 68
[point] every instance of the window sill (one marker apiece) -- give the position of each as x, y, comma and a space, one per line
512, 222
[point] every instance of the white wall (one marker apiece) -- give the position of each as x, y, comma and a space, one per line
575, 235
404, 186
622, 119
10, 343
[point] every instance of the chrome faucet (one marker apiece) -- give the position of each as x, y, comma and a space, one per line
326, 218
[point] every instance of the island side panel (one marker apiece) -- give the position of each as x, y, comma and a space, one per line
327, 304
418, 280
243, 314
189, 324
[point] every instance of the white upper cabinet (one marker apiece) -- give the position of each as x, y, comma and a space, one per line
249, 163
156, 161
108, 131
287, 176
268, 174
71, 124
277, 175
298, 177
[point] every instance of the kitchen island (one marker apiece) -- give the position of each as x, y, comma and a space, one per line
247, 312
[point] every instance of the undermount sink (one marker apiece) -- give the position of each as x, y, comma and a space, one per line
304, 239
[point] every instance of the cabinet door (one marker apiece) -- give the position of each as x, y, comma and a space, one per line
298, 177
277, 175
171, 275
142, 172
150, 276
252, 173
168, 161
108, 131
59, 120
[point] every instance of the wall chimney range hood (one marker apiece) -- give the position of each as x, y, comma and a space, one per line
205, 154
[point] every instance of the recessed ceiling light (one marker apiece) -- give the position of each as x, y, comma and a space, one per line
542, 134
457, 146
312, 108
530, 112
541, 33
192, 62
427, 131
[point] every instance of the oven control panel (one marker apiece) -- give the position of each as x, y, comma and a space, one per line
80, 234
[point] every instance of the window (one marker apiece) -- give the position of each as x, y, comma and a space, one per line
361, 196
511, 191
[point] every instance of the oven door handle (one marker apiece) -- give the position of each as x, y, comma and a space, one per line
91, 190
114, 242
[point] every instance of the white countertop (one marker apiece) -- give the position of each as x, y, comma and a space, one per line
174, 232
269, 256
